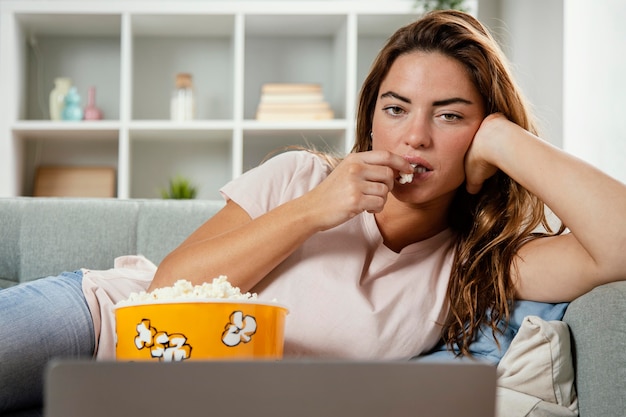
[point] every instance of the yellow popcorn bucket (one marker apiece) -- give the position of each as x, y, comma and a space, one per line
199, 330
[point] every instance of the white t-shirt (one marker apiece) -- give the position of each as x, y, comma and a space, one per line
349, 296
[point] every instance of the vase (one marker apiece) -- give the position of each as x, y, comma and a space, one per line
92, 112
72, 110
57, 97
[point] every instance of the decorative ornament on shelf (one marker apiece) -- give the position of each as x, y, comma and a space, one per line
72, 110
57, 97
180, 188
429, 5
183, 103
91, 111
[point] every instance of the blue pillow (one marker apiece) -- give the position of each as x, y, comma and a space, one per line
484, 348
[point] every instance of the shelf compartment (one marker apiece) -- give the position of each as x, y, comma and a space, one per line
295, 49
204, 156
65, 148
164, 45
83, 47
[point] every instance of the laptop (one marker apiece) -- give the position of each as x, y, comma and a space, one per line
294, 388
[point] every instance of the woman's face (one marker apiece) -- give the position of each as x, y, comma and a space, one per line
428, 111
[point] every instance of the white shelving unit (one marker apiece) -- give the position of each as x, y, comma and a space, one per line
131, 50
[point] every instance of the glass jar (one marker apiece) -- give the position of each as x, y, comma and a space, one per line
183, 105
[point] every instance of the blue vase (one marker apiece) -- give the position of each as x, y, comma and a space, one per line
72, 111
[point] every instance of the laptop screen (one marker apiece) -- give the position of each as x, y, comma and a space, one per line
294, 388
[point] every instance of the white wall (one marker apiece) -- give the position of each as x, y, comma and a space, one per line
570, 58
531, 34
595, 83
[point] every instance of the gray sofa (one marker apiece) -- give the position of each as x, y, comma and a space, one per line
46, 236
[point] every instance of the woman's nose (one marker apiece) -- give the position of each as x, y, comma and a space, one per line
419, 133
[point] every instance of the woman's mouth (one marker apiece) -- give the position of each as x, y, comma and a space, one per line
408, 178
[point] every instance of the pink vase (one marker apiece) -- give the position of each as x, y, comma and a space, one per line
91, 111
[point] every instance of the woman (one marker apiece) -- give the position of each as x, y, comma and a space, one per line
440, 97
372, 267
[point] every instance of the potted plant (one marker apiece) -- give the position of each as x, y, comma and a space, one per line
180, 187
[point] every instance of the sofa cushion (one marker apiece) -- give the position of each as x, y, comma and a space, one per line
164, 224
60, 235
537, 372
47, 236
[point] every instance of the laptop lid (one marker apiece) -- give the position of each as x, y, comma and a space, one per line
294, 388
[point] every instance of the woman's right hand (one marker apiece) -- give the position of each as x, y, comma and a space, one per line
361, 182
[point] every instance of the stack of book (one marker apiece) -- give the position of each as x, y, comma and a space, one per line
288, 101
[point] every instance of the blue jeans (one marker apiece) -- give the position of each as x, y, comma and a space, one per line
39, 321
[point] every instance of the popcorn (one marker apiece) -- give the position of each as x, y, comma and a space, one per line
407, 178
185, 290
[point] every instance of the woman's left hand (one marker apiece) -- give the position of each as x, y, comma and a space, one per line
478, 167
591, 204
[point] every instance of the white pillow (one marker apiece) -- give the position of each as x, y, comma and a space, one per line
538, 365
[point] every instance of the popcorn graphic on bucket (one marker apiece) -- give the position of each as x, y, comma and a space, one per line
188, 327
170, 348
240, 329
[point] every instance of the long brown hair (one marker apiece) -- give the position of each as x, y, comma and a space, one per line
495, 223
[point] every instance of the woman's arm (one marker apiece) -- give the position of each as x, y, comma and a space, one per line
589, 202
245, 250
232, 244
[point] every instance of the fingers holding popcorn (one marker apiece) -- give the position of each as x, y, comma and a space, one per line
361, 182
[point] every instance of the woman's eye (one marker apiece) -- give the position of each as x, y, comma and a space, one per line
450, 117
393, 110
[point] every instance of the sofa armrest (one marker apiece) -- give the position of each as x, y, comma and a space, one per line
597, 321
